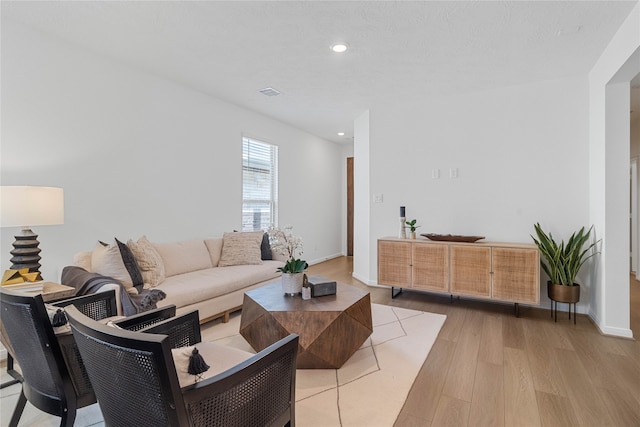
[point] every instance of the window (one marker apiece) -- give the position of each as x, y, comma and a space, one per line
259, 185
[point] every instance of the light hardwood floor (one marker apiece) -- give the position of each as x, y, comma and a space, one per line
489, 368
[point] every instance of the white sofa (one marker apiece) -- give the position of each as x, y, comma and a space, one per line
209, 275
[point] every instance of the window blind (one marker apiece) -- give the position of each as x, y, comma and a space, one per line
259, 185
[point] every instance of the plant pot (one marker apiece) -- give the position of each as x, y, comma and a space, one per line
566, 294
292, 283
413, 235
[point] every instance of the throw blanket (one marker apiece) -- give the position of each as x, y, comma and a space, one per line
89, 283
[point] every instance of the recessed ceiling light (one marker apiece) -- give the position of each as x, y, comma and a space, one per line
340, 133
339, 47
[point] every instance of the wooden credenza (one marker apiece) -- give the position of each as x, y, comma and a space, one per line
507, 272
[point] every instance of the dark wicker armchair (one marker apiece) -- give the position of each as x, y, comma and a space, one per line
136, 383
52, 374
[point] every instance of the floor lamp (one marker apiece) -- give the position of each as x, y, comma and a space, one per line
22, 206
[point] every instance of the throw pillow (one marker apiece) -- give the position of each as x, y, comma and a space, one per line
241, 249
83, 260
107, 261
149, 261
265, 248
131, 265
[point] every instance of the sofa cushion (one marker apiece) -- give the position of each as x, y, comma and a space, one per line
149, 261
214, 246
107, 261
191, 288
241, 249
184, 257
219, 358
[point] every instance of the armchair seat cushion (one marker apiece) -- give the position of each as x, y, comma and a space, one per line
219, 358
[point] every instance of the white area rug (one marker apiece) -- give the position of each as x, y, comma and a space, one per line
370, 389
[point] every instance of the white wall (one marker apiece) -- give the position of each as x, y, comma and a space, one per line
609, 135
362, 236
137, 154
521, 155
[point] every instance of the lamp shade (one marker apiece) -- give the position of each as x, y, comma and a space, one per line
23, 206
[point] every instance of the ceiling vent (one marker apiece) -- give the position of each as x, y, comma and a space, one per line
269, 91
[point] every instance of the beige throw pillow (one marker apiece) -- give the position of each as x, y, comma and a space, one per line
241, 248
106, 260
184, 257
149, 261
83, 260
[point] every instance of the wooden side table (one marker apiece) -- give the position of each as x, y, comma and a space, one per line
49, 290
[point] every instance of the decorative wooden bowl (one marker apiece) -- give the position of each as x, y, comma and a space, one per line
452, 237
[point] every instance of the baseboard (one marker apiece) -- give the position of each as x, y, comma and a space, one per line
327, 258
609, 330
364, 280
616, 332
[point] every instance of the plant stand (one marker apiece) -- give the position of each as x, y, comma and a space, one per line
565, 294
554, 311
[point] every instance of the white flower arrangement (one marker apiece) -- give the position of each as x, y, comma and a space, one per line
284, 242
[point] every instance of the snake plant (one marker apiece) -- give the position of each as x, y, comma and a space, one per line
563, 261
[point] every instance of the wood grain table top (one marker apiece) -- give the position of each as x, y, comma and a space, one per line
271, 298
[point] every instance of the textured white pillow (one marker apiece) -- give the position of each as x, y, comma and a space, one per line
106, 260
241, 248
149, 261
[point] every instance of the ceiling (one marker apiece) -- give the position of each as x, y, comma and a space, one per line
400, 51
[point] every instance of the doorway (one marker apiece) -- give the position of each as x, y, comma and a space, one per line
349, 206
633, 216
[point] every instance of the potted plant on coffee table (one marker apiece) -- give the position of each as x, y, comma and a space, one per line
563, 261
284, 242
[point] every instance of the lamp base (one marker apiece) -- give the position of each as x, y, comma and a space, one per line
26, 253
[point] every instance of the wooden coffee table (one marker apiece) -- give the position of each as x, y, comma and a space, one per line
331, 328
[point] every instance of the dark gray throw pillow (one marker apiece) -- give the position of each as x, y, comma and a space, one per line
265, 248
131, 264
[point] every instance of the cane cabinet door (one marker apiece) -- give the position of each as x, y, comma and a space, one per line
516, 275
430, 267
471, 270
394, 263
